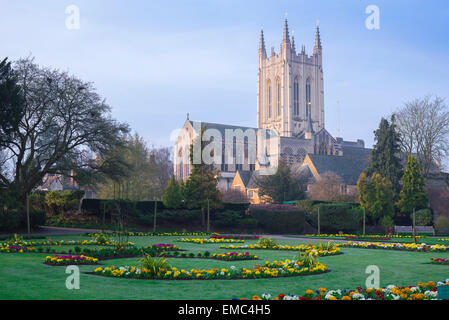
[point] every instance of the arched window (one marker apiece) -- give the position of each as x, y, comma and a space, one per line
269, 99
278, 97
308, 98
296, 97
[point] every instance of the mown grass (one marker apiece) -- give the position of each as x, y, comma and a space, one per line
24, 276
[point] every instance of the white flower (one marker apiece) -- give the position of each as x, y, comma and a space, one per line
431, 294
358, 296
266, 296
391, 286
291, 297
414, 289
395, 297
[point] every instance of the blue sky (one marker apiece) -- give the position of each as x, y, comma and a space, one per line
155, 61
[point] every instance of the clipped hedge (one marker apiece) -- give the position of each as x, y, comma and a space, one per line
13, 220
281, 219
336, 217
235, 206
96, 207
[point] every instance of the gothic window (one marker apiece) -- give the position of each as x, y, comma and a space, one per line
278, 96
269, 99
296, 97
308, 98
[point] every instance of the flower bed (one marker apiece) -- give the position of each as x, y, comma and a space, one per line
16, 248
231, 256
211, 240
374, 236
397, 246
303, 248
50, 243
172, 273
70, 260
439, 261
238, 237
128, 252
367, 238
423, 291
154, 234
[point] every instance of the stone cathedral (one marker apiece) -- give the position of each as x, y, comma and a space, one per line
290, 101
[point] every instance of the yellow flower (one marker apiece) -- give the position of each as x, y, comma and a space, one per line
346, 298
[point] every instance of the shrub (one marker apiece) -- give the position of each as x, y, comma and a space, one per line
9, 220
37, 201
179, 217
267, 242
423, 217
37, 218
235, 206
227, 219
14, 219
278, 218
442, 222
335, 217
59, 202
102, 238
172, 197
387, 222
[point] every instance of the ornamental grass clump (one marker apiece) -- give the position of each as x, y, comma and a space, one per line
153, 265
307, 260
326, 246
267, 242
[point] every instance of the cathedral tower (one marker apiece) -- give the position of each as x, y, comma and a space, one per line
290, 96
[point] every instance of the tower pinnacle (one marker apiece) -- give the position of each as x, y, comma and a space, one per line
286, 34
262, 41
317, 40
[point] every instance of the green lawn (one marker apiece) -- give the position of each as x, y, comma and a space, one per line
24, 276
424, 239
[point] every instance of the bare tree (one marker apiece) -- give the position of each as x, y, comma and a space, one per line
424, 127
162, 167
328, 188
234, 195
65, 125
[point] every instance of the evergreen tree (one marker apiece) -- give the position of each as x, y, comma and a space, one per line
11, 101
172, 197
200, 189
282, 186
385, 157
412, 196
376, 196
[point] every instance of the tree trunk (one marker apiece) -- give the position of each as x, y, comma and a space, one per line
203, 218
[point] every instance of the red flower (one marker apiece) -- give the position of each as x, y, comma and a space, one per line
281, 296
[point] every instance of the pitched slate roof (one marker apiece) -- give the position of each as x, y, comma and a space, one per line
245, 176
348, 168
356, 152
252, 181
219, 126
303, 173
